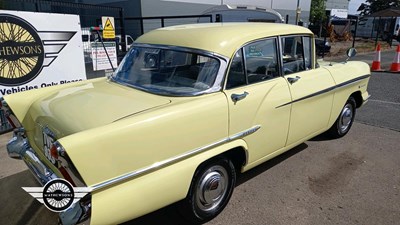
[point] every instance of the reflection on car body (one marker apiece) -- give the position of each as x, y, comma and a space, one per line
188, 109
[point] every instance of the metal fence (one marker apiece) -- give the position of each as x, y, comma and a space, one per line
150, 23
359, 30
88, 13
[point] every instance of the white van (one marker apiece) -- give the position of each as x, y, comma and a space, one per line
237, 13
128, 41
88, 37
368, 26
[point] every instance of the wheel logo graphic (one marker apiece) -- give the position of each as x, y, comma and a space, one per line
58, 195
21, 51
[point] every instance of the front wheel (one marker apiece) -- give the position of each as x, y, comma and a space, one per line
345, 120
210, 191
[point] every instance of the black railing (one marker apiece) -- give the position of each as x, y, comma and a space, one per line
163, 19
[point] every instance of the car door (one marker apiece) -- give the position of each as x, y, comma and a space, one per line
310, 89
254, 89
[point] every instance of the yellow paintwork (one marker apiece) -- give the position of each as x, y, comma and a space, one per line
226, 37
109, 130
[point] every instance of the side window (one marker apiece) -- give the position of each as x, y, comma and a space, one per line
236, 76
261, 61
254, 63
293, 55
307, 52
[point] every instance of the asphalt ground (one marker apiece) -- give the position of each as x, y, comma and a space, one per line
352, 180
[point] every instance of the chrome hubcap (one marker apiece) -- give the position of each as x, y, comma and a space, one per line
346, 117
212, 188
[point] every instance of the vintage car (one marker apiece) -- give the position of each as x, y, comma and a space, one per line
188, 109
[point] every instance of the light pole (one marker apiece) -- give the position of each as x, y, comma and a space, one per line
298, 11
272, 2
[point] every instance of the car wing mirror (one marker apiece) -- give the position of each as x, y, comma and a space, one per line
351, 52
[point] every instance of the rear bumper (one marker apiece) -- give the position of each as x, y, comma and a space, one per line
365, 97
19, 148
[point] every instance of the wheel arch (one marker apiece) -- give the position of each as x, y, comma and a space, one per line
233, 158
358, 98
238, 156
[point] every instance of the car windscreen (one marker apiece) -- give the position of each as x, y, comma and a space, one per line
167, 72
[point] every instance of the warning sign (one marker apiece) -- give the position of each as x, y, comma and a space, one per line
108, 27
100, 58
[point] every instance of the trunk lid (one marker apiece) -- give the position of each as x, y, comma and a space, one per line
87, 106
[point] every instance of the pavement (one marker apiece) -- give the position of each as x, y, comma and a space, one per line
352, 180
387, 57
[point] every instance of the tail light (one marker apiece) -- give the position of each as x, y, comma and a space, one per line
65, 166
12, 120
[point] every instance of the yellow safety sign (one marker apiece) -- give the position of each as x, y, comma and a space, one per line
108, 27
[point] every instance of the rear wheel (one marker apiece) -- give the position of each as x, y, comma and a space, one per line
210, 191
345, 119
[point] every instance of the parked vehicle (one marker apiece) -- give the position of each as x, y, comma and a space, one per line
89, 37
128, 41
322, 46
188, 108
369, 26
234, 13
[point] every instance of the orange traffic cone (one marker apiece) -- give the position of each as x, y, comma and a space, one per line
376, 64
395, 67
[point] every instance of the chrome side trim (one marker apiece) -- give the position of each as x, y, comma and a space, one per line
341, 85
167, 162
369, 96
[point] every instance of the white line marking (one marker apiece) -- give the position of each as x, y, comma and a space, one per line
393, 103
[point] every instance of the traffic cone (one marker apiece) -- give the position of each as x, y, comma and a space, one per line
376, 64
395, 67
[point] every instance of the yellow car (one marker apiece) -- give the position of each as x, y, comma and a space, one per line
188, 109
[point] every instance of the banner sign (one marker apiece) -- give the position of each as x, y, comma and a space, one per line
99, 56
39, 50
339, 13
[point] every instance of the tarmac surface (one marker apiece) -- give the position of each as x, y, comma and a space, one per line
352, 180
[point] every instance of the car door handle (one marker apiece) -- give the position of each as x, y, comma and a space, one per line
293, 79
238, 97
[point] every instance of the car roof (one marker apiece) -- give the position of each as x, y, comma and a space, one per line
221, 38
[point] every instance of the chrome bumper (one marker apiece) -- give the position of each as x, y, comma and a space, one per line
19, 148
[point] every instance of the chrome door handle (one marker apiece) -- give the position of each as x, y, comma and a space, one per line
238, 97
293, 79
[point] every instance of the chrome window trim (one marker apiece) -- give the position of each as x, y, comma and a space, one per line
158, 165
218, 83
280, 54
277, 44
